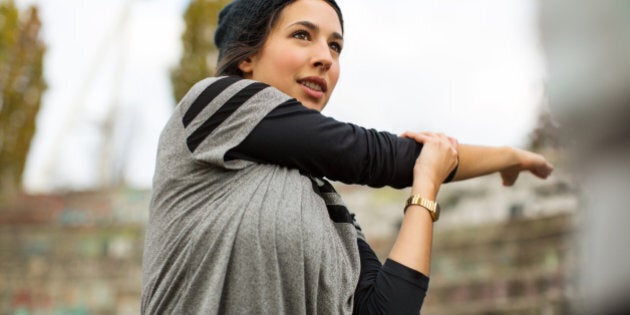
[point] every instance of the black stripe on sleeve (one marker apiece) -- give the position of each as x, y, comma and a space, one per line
207, 96
222, 114
338, 213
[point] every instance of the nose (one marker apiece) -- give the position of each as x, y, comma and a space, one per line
322, 56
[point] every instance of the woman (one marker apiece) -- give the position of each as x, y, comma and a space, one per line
241, 220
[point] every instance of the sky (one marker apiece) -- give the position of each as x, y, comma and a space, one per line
469, 68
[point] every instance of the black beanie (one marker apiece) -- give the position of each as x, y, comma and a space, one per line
241, 18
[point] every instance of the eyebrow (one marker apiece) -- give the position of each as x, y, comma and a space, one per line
315, 27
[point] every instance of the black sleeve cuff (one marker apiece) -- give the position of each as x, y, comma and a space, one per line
452, 174
414, 277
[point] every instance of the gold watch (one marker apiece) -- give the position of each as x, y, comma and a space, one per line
432, 206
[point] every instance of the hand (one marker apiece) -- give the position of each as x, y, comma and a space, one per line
438, 156
528, 161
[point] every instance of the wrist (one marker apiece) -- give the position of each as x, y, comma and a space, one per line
425, 188
418, 201
514, 159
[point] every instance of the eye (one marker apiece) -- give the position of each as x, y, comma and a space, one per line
301, 34
336, 47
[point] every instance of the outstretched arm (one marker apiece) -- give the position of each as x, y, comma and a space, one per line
475, 160
481, 160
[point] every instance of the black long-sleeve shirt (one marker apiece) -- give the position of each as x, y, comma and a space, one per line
388, 289
297, 137
294, 136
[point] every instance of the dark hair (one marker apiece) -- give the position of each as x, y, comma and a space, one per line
244, 26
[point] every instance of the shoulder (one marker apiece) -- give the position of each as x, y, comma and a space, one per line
215, 92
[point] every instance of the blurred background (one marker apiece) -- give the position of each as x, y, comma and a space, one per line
86, 87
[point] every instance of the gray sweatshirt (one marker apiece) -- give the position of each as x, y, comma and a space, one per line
238, 237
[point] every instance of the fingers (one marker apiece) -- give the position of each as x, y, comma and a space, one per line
438, 156
453, 141
539, 166
435, 138
509, 178
543, 171
421, 137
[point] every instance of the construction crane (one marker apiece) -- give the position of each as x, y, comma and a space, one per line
114, 45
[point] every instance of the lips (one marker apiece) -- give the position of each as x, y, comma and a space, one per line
314, 83
312, 86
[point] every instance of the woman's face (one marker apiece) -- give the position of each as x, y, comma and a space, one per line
301, 54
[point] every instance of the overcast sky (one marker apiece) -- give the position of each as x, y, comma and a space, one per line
471, 69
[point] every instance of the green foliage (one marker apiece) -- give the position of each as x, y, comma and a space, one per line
199, 55
21, 89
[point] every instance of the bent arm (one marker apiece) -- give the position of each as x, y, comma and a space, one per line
413, 244
391, 288
476, 160
400, 285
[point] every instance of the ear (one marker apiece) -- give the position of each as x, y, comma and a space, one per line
246, 66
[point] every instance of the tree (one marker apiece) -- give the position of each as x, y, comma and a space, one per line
21, 89
199, 55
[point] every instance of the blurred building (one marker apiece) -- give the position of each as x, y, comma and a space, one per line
497, 250
74, 253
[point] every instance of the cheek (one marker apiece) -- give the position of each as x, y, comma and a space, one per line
288, 60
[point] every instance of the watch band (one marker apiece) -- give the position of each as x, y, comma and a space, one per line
431, 206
